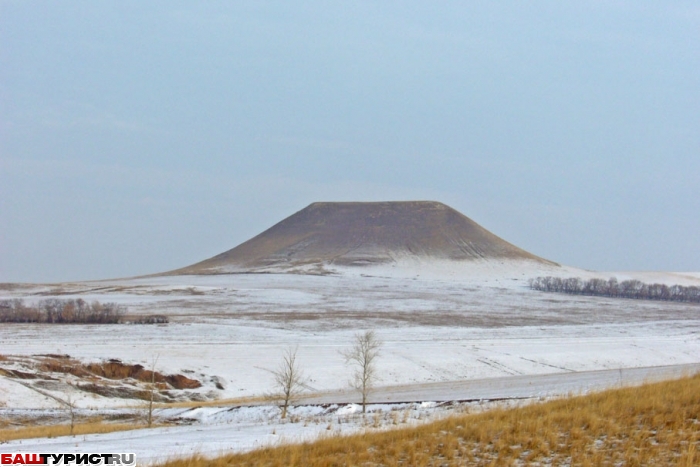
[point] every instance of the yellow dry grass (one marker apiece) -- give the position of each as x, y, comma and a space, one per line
52, 431
650, 425
237, 402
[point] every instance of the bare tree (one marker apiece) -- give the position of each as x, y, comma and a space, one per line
151, 391
362, 356
69, 405
289, 381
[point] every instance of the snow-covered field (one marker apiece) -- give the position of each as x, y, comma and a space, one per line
448, 335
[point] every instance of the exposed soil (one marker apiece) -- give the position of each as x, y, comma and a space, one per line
116, 370
111, 378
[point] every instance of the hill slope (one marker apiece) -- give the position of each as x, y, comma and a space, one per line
363, 234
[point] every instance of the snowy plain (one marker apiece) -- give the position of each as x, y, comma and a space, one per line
449, 333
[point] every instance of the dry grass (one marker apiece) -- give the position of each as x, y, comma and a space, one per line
654, 424
53, 431
236, 402
114, 370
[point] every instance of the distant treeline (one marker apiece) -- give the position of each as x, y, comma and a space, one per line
54, 310
613, 288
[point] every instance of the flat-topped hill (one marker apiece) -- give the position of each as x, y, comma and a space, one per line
361, 234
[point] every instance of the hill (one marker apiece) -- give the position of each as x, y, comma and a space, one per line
341, 234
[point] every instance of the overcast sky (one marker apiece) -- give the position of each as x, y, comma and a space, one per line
138, 137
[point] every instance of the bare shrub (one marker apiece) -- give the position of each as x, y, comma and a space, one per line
152, 319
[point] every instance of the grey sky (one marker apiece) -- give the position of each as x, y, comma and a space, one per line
137, 137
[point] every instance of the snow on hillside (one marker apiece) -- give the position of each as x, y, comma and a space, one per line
440, 327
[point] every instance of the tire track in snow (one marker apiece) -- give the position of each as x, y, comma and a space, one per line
546, 364
498, 366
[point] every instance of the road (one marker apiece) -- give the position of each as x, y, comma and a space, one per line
511, 387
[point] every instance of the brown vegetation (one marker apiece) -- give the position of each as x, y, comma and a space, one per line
52, 431
115, 369
70, 311
655, 424
110, 378
614, 289
55, 311
151, 319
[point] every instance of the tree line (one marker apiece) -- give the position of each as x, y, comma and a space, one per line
612, 288
54, 310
